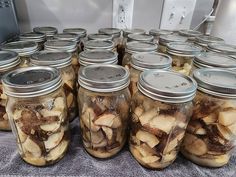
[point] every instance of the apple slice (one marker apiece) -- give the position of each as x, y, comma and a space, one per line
108, 131
49, 113
194, 145
52, 127
17, 114
105, 119
54, 140
37, 161
58, 151
232, 128
227, 118
224, 132
96, 137
173, 143
59, 104
148, 138
101, 144
32, 147
210, 119
69, 99
147, 116
162, 122
116, 122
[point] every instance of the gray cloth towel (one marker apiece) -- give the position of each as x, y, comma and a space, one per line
79, 163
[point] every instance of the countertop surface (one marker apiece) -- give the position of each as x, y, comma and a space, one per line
78, 162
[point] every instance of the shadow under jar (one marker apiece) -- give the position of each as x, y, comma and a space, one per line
136, 47
37, 113
47, 30
104, 103
156, 33
225, 49
145, 61
24, 50
34, 37
82, 35
190, 34
61, 61
65, 46
213, 60
8, 62
182, 54
204, 40
160, 110
99, 45
165, 39
211, 132
91, 57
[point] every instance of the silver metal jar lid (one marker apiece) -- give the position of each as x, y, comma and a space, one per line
183, 49
23, 48
80, 31
145, 61
204, 40
47, 30
158, 32
135, 46
31, 81
140, 37
97, 44
101, 37
32, 36
89, 57
115, 32
52, 59
126, 32
189, 33
104, 78
61, 45
67, 36
211, 59
222, 48
216, 81
167, 86
165, 39
8, 60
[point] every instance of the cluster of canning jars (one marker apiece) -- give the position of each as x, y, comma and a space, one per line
144, 100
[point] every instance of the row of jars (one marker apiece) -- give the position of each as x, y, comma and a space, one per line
165, 114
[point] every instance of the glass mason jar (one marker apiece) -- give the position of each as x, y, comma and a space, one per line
23, 48
116, 38
225, 49
8, 62
213, 60
145, 61
34, 37
91, 57
36, 107
165, 39
47, 30
69, 37
61, 61
156, 34
65, 46
97, 45
190, 34
160, 110
82, 36
125, 34
204, 40
140, 37
104, 103
136, 47
182, 54
210, 136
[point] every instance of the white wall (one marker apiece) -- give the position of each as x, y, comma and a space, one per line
92, 14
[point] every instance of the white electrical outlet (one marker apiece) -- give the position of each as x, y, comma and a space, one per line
123, 13
177, 14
